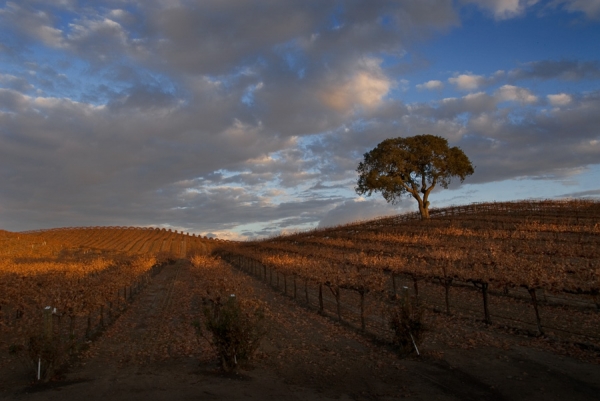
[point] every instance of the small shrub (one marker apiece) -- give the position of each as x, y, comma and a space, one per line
49, 350
236, 328
46, 350
406, 322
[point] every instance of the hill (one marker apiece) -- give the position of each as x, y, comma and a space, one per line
507, 294
511, 254
129, 240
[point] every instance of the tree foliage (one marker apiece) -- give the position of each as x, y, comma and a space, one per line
413, 165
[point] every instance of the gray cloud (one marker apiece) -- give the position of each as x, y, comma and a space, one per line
229, 33
594, 193
538, 145
571, 70
503, 9
224, 114
500, 148
565, 70
591, 8
352, 211
13, 82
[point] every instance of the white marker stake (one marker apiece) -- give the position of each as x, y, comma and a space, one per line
413, 340
39, 367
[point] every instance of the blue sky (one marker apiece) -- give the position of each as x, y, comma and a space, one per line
245, 118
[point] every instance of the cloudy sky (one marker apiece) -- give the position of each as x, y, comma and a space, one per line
243, 118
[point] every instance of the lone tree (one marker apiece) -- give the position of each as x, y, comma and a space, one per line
413, 165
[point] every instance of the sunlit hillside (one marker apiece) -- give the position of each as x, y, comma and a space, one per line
129, 240
531, 265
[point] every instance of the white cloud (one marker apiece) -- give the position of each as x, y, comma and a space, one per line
403, 84
591, 8
474, 104
13, 82
503, 9
50, 36
431, 85
366, 88
86, 28
508, 93
561, 99
467, 82
171, 143
36, 24
567, 70
118, 13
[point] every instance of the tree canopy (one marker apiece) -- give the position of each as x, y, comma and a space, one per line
412, 165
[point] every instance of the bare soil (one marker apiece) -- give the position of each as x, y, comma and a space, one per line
152, 353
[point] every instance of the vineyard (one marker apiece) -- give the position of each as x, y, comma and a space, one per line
60, 288
131, 240
104, 299
532, 267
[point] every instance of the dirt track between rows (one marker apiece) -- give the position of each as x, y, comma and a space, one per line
151, 353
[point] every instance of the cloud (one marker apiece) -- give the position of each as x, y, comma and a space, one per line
216, 116
468, 82
569, 70
13, 82
366, 89
473, 103
431, 85
505, 147
593, 193
591, 8
561, 99
163, 136
98, 37
565, 70
503, 9
515, 141
37, 25
228, 33
512, 93
360, 209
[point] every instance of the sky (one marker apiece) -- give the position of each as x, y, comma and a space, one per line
247, 118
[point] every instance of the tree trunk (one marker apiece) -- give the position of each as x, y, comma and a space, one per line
424, 210
423, 206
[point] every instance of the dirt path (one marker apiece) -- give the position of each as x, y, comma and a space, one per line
151, 353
